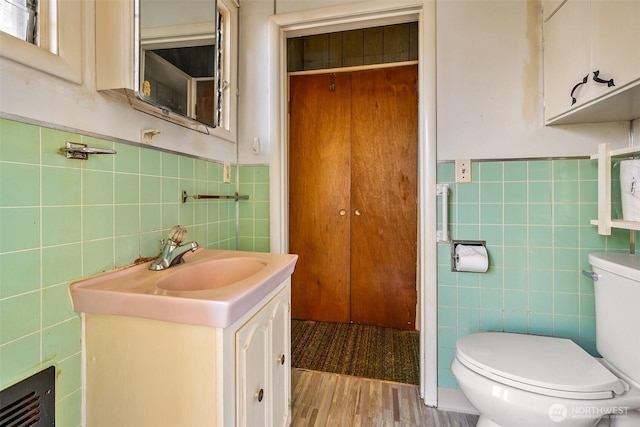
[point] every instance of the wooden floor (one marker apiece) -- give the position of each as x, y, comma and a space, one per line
323, 399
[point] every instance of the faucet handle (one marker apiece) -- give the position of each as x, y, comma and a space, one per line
176, 234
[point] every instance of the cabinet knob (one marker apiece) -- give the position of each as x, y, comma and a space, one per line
343, 212
358, 212
260, 395
281, 359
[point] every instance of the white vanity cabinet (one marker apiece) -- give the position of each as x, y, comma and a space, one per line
264, 368
585, 37
142, 372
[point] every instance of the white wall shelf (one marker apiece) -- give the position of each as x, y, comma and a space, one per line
604, 221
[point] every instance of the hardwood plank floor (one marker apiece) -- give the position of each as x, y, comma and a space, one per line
321, 399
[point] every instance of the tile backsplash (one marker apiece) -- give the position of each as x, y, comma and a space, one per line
535, 217
63, 219
253, 214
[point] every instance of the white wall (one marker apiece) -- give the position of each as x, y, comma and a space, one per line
256, 117
490, 100
37, 96
489, 89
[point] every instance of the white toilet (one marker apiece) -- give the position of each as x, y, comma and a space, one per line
527, 380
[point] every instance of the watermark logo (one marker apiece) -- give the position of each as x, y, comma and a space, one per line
558, 412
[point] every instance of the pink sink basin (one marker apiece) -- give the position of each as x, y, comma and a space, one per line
211, 288
211, 274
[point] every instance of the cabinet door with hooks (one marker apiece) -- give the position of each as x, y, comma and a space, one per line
615, 44
591, 52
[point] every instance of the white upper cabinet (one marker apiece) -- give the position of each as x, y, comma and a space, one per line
567, 58
592, 62
615, 42
549, 7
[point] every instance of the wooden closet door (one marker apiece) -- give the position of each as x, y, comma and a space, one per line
384, 143
319, 186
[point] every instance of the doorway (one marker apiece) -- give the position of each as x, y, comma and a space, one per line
286, 25
352, 200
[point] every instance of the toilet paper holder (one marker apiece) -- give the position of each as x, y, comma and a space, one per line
455, 243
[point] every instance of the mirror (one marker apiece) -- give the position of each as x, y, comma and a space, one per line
178, 68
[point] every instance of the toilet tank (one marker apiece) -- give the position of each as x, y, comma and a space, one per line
617, 293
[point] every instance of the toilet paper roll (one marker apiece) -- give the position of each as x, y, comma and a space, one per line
473, 258
630, 189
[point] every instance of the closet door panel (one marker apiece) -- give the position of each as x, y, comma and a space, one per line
384, 137
319, 183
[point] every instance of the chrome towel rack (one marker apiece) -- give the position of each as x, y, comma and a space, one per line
234, 197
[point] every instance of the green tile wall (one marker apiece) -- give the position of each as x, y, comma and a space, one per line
65, 219
253, 215
534, 216
62, 219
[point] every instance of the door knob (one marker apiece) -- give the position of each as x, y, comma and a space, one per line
358, 212
343, 212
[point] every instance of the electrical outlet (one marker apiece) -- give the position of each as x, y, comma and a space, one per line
226, 173
463, 170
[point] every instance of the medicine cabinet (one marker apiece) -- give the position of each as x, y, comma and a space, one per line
166, 59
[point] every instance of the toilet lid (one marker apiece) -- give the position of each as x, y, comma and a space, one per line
545, 365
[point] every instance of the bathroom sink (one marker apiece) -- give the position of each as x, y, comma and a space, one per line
210, 288
212, 274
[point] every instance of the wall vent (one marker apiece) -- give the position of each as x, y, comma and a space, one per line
31, 402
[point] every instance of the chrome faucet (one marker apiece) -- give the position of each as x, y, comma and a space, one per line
172, 250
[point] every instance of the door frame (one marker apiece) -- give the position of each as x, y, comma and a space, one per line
352, 16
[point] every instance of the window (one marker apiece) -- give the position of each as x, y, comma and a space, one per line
226, 68
19, 18
368, 46
226, 71
221, 82
43, 34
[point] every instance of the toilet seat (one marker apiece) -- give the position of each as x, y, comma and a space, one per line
544, 365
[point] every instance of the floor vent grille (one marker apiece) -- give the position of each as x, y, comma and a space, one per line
31, 402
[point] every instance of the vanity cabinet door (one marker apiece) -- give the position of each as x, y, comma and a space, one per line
280, 362
252, 344
263, 376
